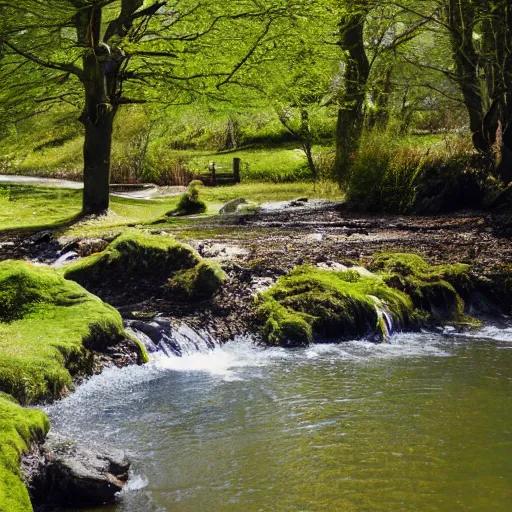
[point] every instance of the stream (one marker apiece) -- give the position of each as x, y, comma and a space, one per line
422, 423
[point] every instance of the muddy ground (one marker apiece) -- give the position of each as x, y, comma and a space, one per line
254, 249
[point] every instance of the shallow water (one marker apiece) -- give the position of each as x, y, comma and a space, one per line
423, 423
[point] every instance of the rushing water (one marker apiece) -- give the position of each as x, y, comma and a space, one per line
423, 423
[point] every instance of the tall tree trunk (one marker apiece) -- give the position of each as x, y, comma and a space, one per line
350, 121
307, 142
98, 114
504, 169
381, 94
97, 151
461, 18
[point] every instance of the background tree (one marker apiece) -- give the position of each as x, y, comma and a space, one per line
119, 52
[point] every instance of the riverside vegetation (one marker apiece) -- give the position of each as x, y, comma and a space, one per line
54, 331
400, 109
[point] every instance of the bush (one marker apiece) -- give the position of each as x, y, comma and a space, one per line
189, 203
384, 175
392, 178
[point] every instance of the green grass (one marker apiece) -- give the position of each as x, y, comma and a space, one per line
275, 164
32, 207
18, 429
26, 206
47, 326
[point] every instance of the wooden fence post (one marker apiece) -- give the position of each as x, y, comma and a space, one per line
212, 173
236, 169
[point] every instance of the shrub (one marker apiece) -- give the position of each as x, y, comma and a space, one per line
189, 203
393, 178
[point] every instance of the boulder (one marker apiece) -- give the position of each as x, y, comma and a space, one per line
231, 206
64, 473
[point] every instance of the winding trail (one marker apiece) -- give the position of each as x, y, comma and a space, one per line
147, 191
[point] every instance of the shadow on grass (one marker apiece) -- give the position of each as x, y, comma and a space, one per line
51, 226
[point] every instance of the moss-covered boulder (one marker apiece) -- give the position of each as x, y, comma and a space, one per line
19, 428
200, 282
133, 253
437, 290
48, 329
310, 304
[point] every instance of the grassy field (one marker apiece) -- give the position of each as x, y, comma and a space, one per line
51, 145
33, 207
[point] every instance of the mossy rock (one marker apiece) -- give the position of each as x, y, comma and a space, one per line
200, 282
48, 329
135, 253
19, 428
284, 327
188, 205
438, 290
495, 289
310, 304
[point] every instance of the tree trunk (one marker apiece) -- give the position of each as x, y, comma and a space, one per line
461, 18
98, 114
97, 150
307, 142
350, 122
504, 169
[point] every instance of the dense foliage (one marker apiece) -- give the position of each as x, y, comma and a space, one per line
219, 76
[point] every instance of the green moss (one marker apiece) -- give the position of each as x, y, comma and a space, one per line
189, 203
47, 331
133, 252
436, 289
283, 326
200, 282
344, 305
18, 429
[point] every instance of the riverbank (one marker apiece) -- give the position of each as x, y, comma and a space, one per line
255, 248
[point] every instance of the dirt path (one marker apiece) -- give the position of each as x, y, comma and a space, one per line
148, 192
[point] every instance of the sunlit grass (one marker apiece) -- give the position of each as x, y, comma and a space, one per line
33, 207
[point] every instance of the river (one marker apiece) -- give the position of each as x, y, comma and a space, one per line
423, 423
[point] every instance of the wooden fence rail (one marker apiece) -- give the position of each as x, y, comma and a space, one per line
219, 176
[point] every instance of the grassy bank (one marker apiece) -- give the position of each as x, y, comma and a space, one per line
19, 428
48, 328
32, 207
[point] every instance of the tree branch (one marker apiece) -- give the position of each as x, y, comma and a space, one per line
68, 68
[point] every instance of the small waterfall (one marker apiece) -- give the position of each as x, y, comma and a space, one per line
173, 340
384, 318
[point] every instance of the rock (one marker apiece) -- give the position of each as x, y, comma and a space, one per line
298, 202
231, 206
66, 474
44, 237
68, 256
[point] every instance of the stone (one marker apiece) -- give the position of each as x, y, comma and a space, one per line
231, 206
65, 473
